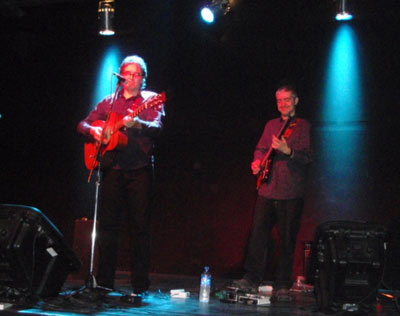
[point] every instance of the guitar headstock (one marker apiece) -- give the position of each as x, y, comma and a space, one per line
157, 101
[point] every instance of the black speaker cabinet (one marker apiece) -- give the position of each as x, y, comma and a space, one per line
34, 257
392, 269
347, 264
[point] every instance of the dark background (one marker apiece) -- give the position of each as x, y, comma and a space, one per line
220, 82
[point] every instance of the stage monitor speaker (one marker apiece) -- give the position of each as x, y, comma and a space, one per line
392, 269
34, 258
347, 265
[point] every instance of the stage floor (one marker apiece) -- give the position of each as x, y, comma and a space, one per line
159, 302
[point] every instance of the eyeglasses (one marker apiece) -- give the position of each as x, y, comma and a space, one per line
132, 74
285, 99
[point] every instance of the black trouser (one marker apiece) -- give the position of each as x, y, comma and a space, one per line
286, 214
125, 198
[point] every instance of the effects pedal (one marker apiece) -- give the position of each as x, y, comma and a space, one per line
236, 295
254, 299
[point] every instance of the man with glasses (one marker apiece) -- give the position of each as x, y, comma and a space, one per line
127, 181
280, 194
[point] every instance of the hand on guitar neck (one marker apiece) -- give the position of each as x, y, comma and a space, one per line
279, 142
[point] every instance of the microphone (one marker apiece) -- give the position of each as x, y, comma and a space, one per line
120, 78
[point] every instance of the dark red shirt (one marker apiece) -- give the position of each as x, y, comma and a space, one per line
287, 179
140, 135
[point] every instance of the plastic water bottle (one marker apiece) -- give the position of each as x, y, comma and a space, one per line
205, 286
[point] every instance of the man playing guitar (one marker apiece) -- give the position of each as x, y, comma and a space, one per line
280, 161
127, 177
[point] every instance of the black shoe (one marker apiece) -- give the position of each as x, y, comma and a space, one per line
92, 294
140, 290
281, 295
140, 285
246, 285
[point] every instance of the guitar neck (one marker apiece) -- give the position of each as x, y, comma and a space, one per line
283, 128
153, 101
280, 134
130, 117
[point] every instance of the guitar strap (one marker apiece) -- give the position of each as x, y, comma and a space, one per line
290, 129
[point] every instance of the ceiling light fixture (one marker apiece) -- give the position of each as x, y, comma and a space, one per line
342, 14
213, 9
106, 16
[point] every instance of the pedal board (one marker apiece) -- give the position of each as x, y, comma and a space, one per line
236, 295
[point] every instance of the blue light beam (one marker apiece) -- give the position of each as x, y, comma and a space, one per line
343, 133
343, 100
105, 79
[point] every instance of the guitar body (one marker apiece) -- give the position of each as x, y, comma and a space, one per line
264, 174
91, 162
94, 151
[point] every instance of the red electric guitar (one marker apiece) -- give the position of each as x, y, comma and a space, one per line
266, 163
95, 151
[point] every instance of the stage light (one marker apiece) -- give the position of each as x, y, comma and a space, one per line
207, 15
342, 14
213, 9
106, 16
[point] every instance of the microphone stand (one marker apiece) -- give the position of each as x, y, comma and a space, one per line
91, 283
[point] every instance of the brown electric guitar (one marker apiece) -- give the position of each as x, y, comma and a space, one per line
95, 151
266, 163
